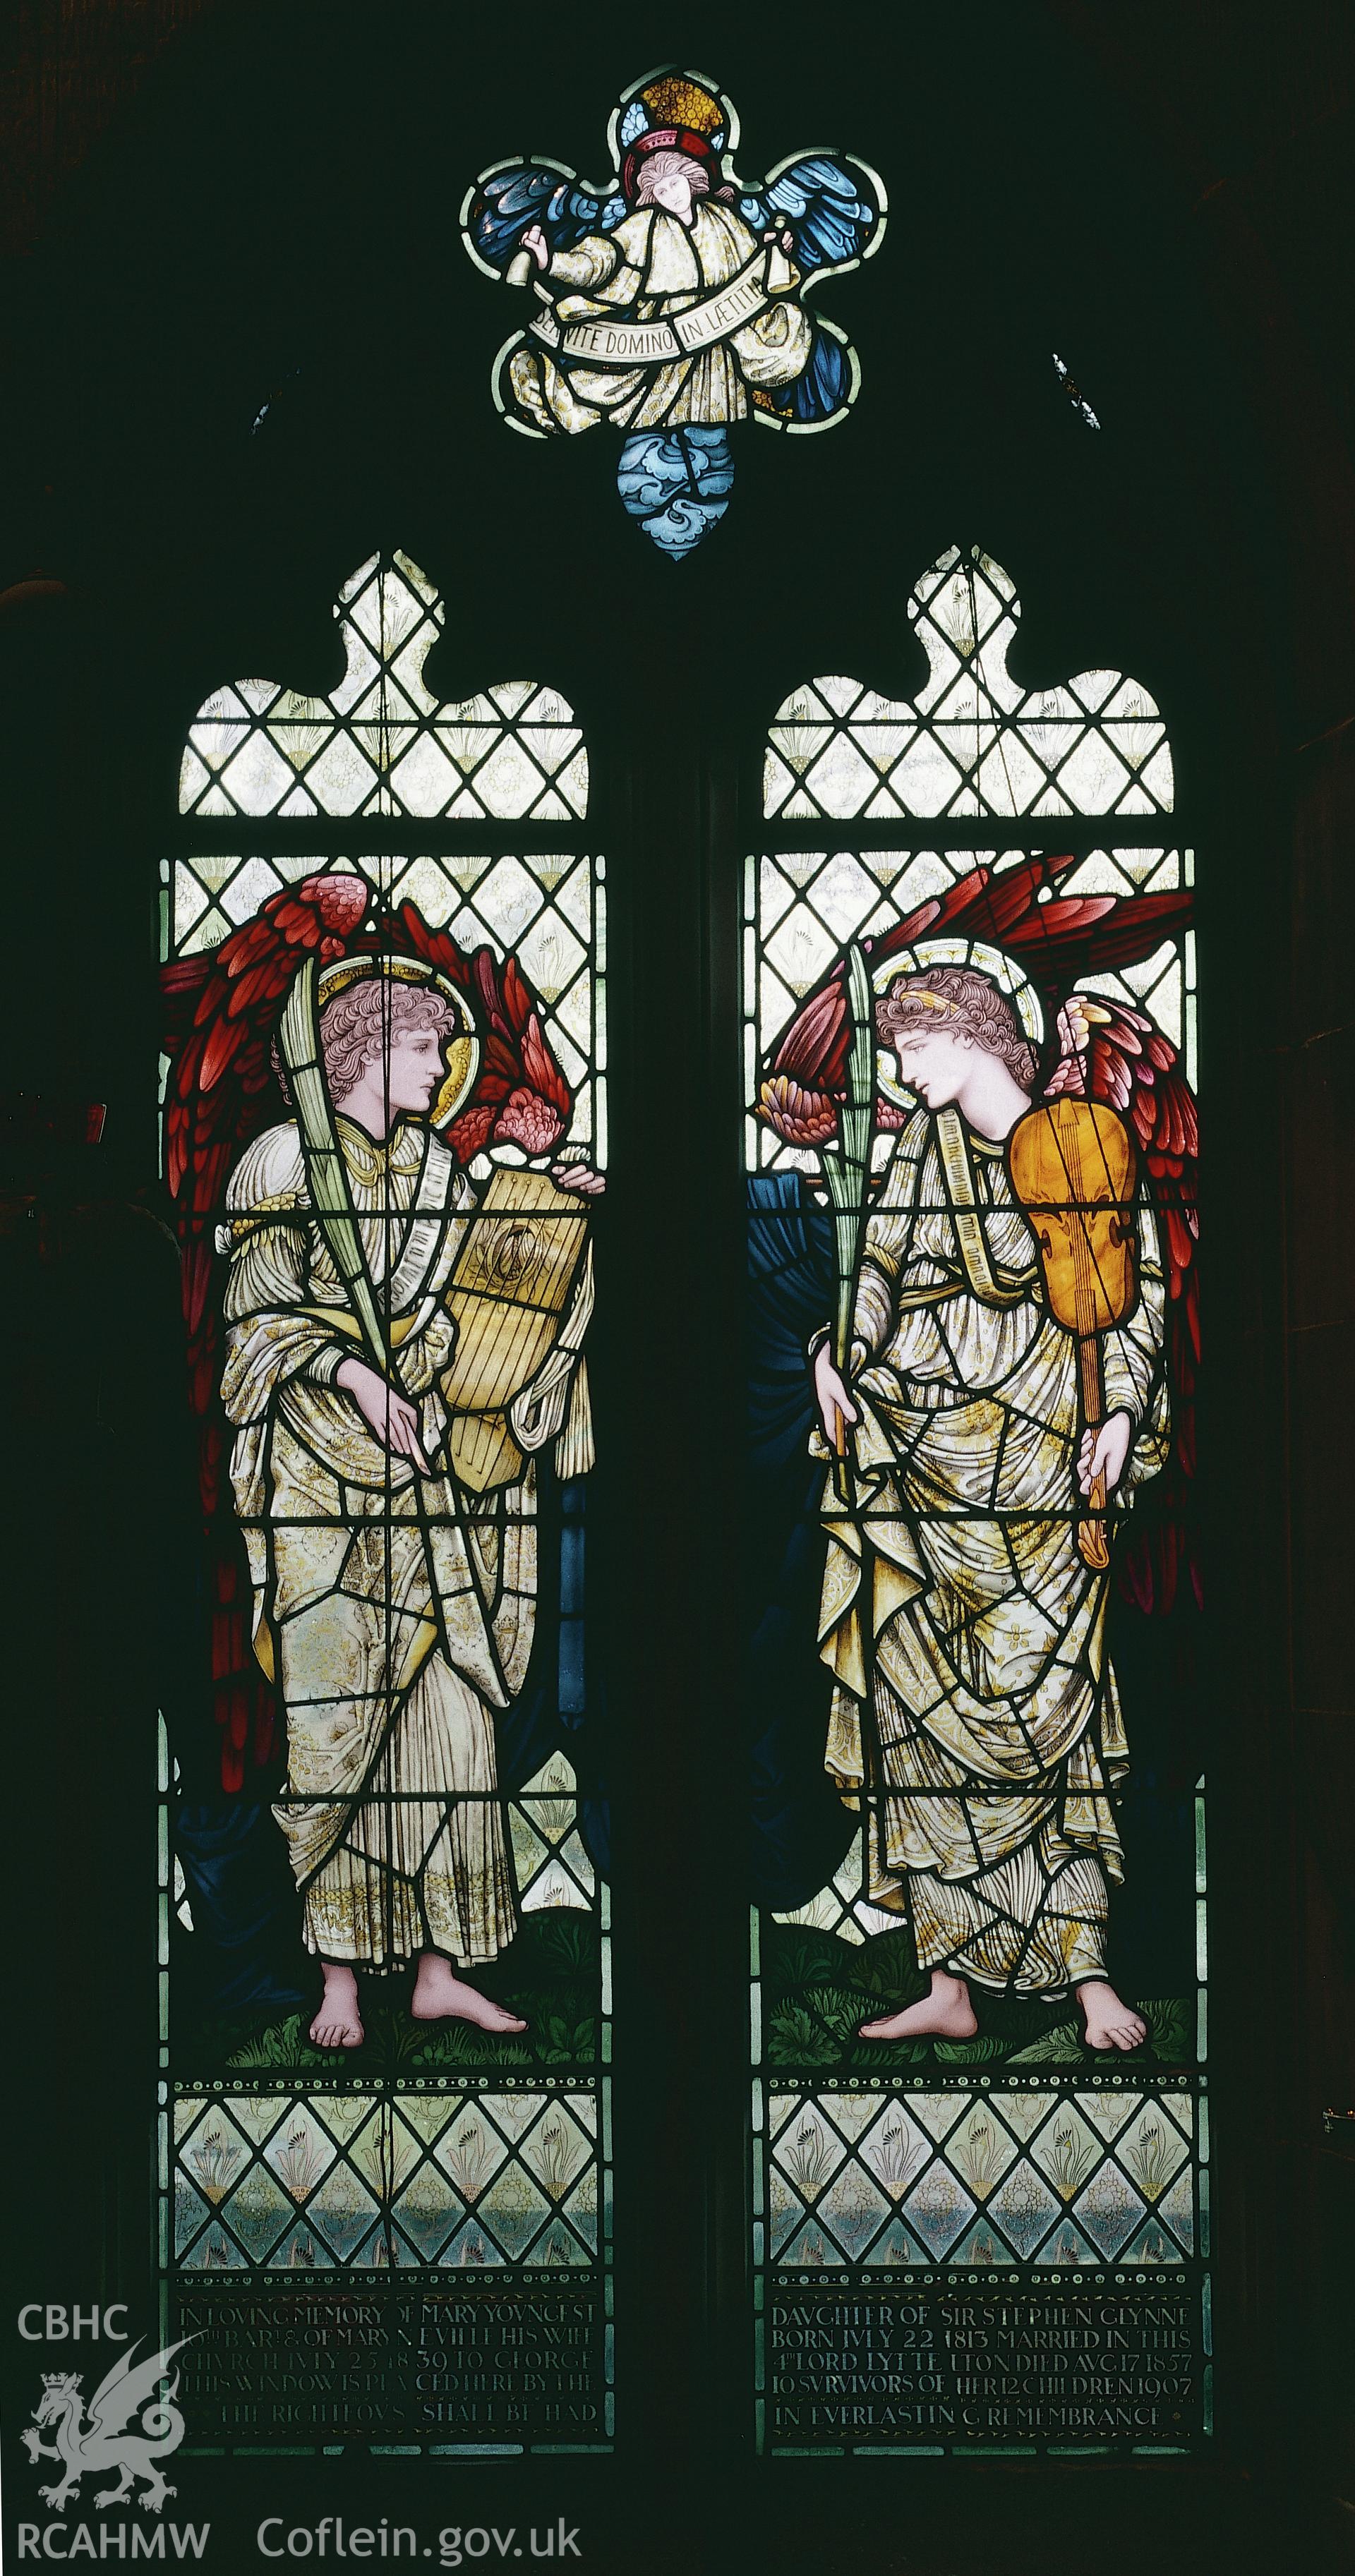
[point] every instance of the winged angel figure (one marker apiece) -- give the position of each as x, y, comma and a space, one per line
398, 1347
672, 300
1015, 1365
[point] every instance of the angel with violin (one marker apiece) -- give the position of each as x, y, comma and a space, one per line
1013, 1370
389, 1350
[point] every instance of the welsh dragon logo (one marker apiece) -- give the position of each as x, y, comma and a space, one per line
125, 2428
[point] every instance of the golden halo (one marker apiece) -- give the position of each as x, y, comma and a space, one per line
1000, 970
462, 1053
679, 98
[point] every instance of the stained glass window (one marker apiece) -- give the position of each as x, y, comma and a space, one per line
980, 2096
385, 2050
672, 302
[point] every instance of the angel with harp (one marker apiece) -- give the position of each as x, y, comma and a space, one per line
1023, 1336
398, 1348
671, 301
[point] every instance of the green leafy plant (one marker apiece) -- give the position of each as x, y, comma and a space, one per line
283, 2044
794, 2038
886, 1968
459, 2043
839, 2008
560, 1942
1061, 2046
1169, 2029
563, 2043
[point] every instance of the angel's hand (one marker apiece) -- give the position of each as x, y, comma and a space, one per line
578, 1176
834, 1402
534, 240
390, 1415
1103, 1452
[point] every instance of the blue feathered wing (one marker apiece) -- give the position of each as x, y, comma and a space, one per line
833, 211
504, 205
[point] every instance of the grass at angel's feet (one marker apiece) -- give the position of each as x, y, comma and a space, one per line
817, 1988
549, 1976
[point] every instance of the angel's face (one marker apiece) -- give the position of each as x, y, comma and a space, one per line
672, 189
935, 1063
413, 1070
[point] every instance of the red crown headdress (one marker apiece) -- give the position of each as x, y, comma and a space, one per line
686, 117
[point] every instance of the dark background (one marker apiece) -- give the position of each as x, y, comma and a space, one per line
223, 205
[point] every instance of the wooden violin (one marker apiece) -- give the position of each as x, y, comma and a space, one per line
1073, 1169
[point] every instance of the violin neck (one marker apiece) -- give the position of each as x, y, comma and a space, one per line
1089, 1373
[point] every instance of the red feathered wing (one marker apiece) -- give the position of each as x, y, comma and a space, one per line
221, 1011
1055, 938
221, 1014
1113, 1053
521, 1096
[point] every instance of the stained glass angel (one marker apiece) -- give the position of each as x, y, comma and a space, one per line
1018, 1368
399, 1347
672, 301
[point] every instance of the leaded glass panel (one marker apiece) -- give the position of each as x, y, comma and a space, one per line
379, 743
980, 2097
385, 2104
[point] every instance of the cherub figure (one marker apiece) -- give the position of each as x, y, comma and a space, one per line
672, 304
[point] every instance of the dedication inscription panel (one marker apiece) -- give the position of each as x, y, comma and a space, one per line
1008, 2264
429, 2269
479, 2365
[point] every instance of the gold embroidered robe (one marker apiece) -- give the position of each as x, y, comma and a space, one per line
975, 1711
394, 1612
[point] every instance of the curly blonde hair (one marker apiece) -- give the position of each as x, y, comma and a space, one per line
359, 1024
964, 1003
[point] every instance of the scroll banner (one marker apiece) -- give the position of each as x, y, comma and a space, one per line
659, 343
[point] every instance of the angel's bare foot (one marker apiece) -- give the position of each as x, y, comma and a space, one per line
440, 1996
945, 2013
338, 2023
1110, 2024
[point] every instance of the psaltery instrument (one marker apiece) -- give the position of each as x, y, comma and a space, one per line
513, 1280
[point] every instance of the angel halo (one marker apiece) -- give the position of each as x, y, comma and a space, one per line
461, 1052
1055, 954
376, 1416
1002, 971
672, 298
